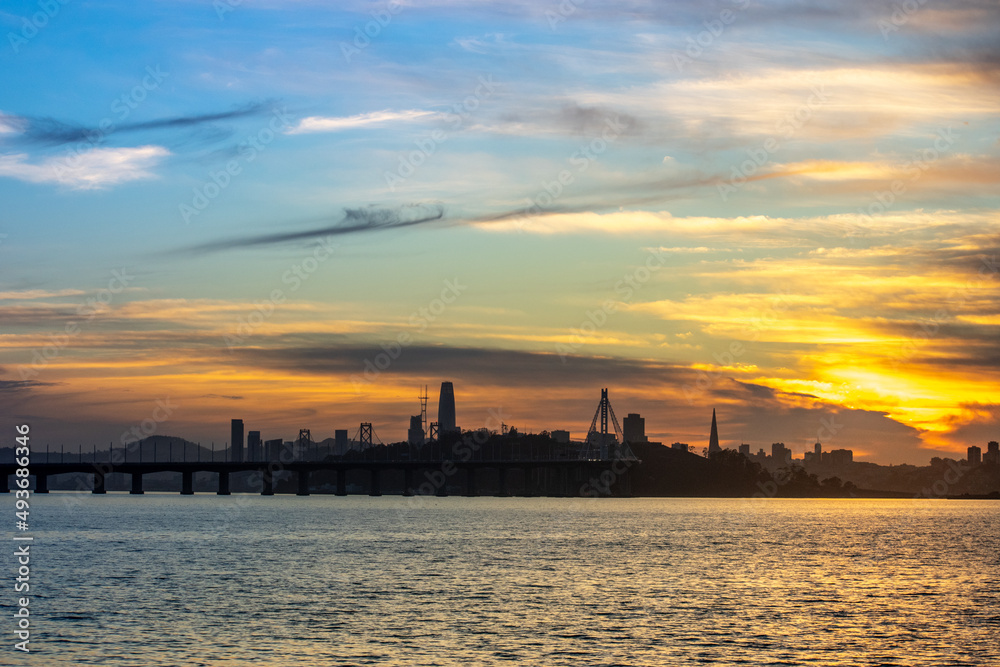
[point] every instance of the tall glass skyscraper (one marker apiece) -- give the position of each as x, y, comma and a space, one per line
446, 409
236, 441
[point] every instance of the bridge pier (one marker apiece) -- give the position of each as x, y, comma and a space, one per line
502, 490
374, 489
267, 482
550, 482
622, 488
579, 481
187, 483
341, 482
601, 482
407, 481
470, 482
136, 484
99, 482
546, 485
573, 488
528, 474
41, 483
584, 485
303, 483
223, 483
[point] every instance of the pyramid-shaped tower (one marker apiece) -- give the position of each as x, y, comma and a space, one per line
713, 439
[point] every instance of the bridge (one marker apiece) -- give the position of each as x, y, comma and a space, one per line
557, 478
600, 466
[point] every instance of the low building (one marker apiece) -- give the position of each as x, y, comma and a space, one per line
838, 458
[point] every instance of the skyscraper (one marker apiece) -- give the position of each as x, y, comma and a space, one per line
713, 439
272, 449
992, 455
975, 455
254, 446
634, 428
446, 409
415, 434
236, 441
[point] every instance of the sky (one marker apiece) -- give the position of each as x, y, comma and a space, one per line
301, 213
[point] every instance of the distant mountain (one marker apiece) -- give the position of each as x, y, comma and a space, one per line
155, 447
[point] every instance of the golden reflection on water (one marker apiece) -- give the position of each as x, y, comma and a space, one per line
169, 580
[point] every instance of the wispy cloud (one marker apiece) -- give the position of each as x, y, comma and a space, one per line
815, 104
51, 132
14, 295
373, 119
570, 119
9, 124
355, 221
12, 386
94, 170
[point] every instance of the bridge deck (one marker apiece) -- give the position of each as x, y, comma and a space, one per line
559, 477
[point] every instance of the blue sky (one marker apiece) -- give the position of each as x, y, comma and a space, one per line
819, 180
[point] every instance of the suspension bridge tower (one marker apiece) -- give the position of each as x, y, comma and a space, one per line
605, 439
